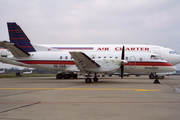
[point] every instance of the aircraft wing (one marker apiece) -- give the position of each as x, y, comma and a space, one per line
16, 51
83, 61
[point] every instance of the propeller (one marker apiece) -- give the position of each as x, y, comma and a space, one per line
122, 63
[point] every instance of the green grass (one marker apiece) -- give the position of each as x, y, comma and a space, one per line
30, 75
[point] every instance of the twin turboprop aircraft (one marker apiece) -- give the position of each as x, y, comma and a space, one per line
89, 59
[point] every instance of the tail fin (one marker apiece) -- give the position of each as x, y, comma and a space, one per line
19, 38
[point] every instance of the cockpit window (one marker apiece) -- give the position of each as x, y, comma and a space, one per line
155, 57
172, 52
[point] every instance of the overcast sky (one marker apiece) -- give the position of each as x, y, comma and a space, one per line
95, 21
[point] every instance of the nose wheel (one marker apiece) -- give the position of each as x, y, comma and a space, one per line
151, 76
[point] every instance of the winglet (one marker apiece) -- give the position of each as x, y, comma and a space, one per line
19, 38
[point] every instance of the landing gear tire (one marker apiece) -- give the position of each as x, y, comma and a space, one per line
95, 79
88, 80
156, 81
151, 76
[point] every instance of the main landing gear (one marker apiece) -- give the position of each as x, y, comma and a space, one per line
88, 80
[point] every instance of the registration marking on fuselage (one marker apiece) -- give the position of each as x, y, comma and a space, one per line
79, 89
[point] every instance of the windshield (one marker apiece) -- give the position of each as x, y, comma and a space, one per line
172, 52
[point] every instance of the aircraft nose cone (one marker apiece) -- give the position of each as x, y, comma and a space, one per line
176, 60
179, 59
173, 68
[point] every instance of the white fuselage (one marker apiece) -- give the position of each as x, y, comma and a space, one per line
166, 53
57, 57
62, 61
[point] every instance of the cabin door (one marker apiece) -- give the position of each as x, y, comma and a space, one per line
157, 51
132, 62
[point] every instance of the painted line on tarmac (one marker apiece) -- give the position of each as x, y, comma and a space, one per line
19, 107
71, 102
78, 89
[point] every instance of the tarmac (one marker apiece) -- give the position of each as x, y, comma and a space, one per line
111, 98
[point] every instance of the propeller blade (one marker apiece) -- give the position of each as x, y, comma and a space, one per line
122, 56
122, 71
122, 66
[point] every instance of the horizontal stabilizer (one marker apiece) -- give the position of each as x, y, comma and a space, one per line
16, 51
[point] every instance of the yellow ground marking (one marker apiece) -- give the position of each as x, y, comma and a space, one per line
79, 89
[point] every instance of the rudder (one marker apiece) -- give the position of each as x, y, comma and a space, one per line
19, 38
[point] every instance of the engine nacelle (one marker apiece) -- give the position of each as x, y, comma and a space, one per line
106, 66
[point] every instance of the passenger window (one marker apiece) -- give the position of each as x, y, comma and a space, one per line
126, 58
61, 57
140, 59
99, 57
66, 57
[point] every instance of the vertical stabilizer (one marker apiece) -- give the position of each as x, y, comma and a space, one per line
19, 38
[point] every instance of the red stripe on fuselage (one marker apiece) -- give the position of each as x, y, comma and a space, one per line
73, 63
49, 62
149, 64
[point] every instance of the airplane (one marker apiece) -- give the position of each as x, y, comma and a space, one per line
88, 58
2, 71
25, 73
18, 74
